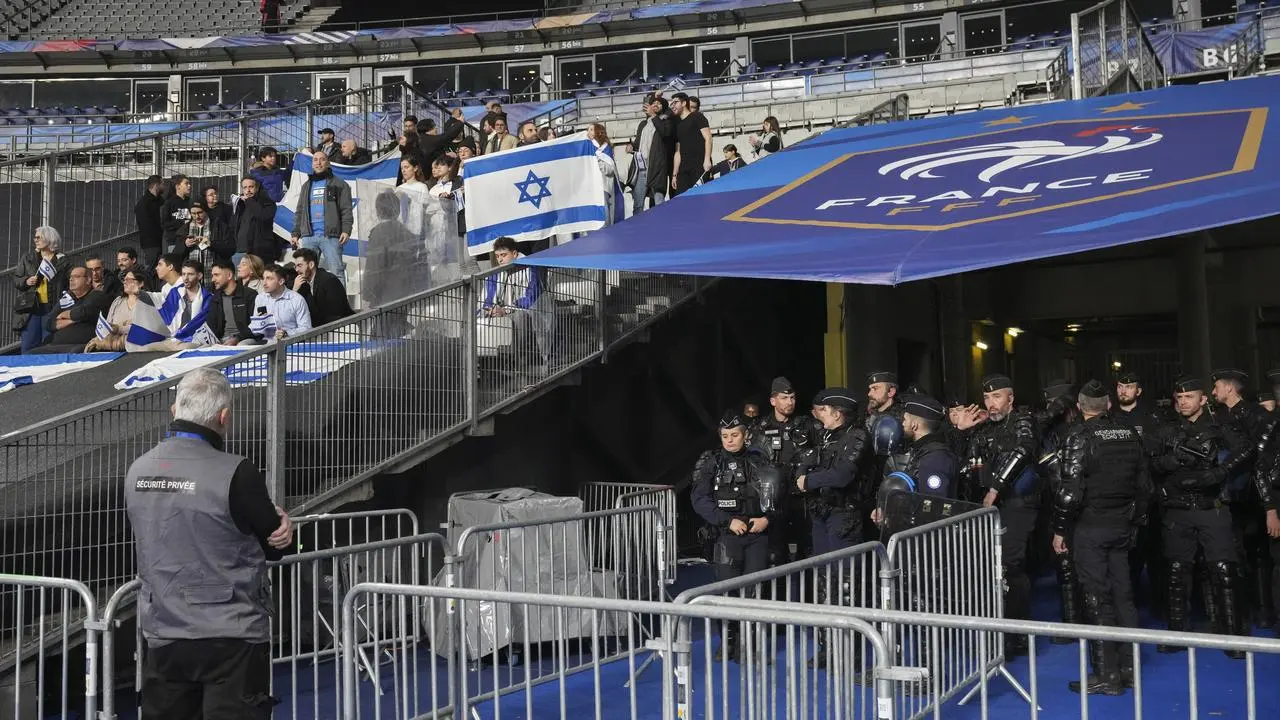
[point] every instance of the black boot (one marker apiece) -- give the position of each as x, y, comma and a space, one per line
1017, 606
1179, 596
1211, 594
1265, 615
1068, 593
1227, 577
729, 648
1124, 652
1104, 680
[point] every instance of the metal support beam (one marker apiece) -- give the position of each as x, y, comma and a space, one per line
276, 424
47, 181
242, 147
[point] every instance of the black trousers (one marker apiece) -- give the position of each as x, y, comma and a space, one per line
1018, 517
208, 680
1210, 530
737, 555
1102, 565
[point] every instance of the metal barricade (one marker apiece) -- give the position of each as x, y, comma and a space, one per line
306, 636
581, 675
607, 495
30, 685
326, 530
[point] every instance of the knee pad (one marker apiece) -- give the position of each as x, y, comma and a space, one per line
1180, 569
1227, 573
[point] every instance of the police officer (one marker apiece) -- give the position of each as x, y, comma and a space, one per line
1193, 462
1267, 482
1132, 410
1055, 421
931, 465
204, 528
789, 441
882, 396
1002, 451
736, 491
1100, 500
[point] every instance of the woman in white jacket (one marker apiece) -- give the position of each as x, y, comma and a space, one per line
608, 168
769, 141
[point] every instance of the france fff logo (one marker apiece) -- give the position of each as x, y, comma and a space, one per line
1094, 167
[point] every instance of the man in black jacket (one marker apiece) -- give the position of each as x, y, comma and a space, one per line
255, 224
147, 213
431, 146
232, 307
325, 296
77, 315
649, 154
176, 212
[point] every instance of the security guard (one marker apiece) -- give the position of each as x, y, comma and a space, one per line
735, 491
1002, 452
1100, 501
204, 528
1055, 421
1193, 462
789, 441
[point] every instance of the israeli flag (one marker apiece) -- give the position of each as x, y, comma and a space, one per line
19, 370
47, 269
366, 182
151, 325
103, 329
263, 325
204, 336
534, 192
65, 301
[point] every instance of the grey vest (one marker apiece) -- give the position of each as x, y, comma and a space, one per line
201, 576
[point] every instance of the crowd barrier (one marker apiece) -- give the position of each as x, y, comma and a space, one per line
609, 495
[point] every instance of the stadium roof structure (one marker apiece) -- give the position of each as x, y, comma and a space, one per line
885, 204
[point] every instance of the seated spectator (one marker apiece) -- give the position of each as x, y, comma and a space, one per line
126, 260
249, 272
500, 139
104, 282
519, 295
233, 305
327, 145
207, 241
769, 141
466, 149
730, 163
76, 322
168, 277
393, 264
546, 133
218, 211
255, 218
192, 298
352, 154
527, 133
287, 308
272, 179
325, 296
120, 314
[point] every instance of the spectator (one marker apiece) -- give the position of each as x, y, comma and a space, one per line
206, 241
324, 215
120, 314
249, 272
730, 163
604, 159
519, 295
104, 282
270, 16
272, 179
546, 133
325, 296
408, 129
287, 308
393, 264
147, 213
466, 150
204, 605
126, 260
192, 296
649, 168
232, 307
77, 320
500, 140
769, 141
176, 212
410, 125
352, 154
493, 112
218, 211
693, 147
527, 133
428, 127
255, 224
433, 145
40, 278
444, 176
327, 144
168, 277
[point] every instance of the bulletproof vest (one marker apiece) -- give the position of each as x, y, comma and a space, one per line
1205, 438
780, 442
201, 576
931, 443
835, 445
1115, 460
733, 489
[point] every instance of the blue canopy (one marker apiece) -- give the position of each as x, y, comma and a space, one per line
886, 204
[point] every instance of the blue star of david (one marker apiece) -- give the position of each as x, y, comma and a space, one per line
537, 197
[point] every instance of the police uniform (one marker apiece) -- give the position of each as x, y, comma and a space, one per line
831, 489
1101, 498
889, 449
1148, 551
1193, 463
201, 518
1055, 421
736, 486
1267, 483
931, 461
791, 446
1002, 454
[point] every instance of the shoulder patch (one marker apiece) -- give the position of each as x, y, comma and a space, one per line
934, 482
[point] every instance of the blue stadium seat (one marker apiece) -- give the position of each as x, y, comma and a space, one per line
579, 94
793, 66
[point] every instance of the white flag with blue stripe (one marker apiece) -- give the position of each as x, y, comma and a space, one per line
151, 325
103, 329
534, 192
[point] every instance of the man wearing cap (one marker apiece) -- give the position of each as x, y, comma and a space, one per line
327, 144
1055, 421
931, 462
736, 492
1191, 476
1132, 410
1002, 451
789, 441
1101, 499
882, 395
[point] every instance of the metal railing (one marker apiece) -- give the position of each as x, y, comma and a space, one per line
895, 109
1110, 52
30, 643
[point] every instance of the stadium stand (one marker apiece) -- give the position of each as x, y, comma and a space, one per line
19, 16
124, 19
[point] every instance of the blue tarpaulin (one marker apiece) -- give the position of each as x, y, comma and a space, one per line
886, 204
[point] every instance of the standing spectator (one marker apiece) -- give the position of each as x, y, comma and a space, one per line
608, 168
270, 16
527, 133
325, 296
273, 179
328, 145
120, 314
127, 260
249, 272
286, 307
730, 163
693, 147
255, 224
410, 125
40, 279
394, 267
324, 215
104, 282
176, 212
207, 241
501, 139
147, 213
546, 133
649, 173
352, 154
218, 211
77, 320
204, 609
494, 111
769, 141
233, 305
433, 145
